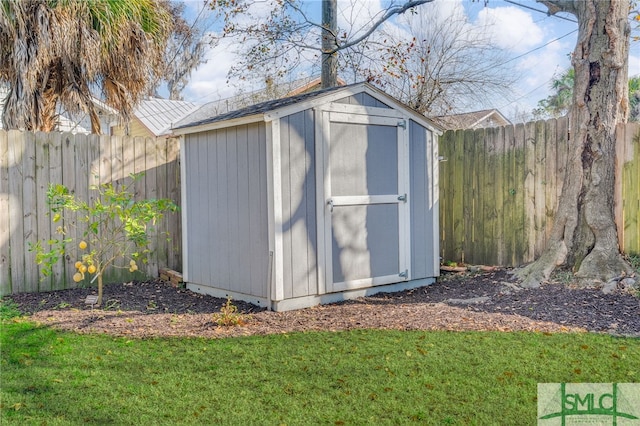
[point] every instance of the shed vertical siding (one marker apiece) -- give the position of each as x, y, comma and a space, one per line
219, 219
297, 150
196, 176
226, 215
424, 202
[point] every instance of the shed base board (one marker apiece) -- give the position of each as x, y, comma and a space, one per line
223, 294
308, 301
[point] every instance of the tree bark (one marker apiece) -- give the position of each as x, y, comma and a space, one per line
100, 291
584, 235
329, 71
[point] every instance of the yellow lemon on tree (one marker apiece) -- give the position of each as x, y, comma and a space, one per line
78, 264
132, 262
83, 268
82, 245
92, 269
77, 277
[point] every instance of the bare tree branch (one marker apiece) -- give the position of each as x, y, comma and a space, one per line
398, 10
437, 69
271, 31
556, 6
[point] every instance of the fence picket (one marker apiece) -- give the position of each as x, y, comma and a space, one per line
5, 208
55, 176
498, 207
16, 222
43, 229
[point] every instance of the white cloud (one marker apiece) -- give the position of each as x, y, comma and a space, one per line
209, 81
541, 65
513, 29
539, 68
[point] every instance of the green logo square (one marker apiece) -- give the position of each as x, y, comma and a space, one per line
588, 404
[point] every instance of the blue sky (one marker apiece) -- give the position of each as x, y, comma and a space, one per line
538, 45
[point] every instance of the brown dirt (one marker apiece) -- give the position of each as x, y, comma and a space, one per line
154, 309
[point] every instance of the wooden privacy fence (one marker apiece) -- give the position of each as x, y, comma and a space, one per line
499, 189
498, 193
29, 162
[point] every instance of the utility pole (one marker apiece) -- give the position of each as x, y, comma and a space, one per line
329, 73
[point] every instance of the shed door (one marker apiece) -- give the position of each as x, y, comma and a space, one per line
366, 204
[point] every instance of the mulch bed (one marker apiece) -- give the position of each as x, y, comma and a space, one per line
463, 301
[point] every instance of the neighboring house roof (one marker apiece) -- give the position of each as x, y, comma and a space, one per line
201, 122
158, 115
81, 122
472, 120
301, 86
155, 114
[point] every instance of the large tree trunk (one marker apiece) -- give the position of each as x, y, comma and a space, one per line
329, 72
584, 235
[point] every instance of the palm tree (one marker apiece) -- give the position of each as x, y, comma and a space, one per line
558, 103
63, 52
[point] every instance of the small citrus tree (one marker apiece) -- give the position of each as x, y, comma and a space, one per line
117, 227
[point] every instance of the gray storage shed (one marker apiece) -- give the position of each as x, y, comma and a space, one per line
310, 199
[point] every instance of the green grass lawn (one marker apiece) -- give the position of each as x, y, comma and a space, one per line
346, 378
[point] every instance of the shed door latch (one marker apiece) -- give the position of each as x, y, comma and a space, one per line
404, 274
402, 123
402, 198
330, 204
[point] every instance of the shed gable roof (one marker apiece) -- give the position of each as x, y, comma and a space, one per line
203, 118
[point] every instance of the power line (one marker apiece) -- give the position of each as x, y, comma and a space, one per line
539, 47
529, 93
530, 51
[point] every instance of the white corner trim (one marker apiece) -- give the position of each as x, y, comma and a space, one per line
183, 210
273, 141
321, 174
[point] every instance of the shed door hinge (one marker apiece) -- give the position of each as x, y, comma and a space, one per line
402, 198
404, 274
403, 124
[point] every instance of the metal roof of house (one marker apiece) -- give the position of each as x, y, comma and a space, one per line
158, 115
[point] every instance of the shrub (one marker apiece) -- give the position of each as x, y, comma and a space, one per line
118, 226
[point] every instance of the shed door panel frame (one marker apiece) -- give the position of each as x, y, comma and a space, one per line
326, 201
